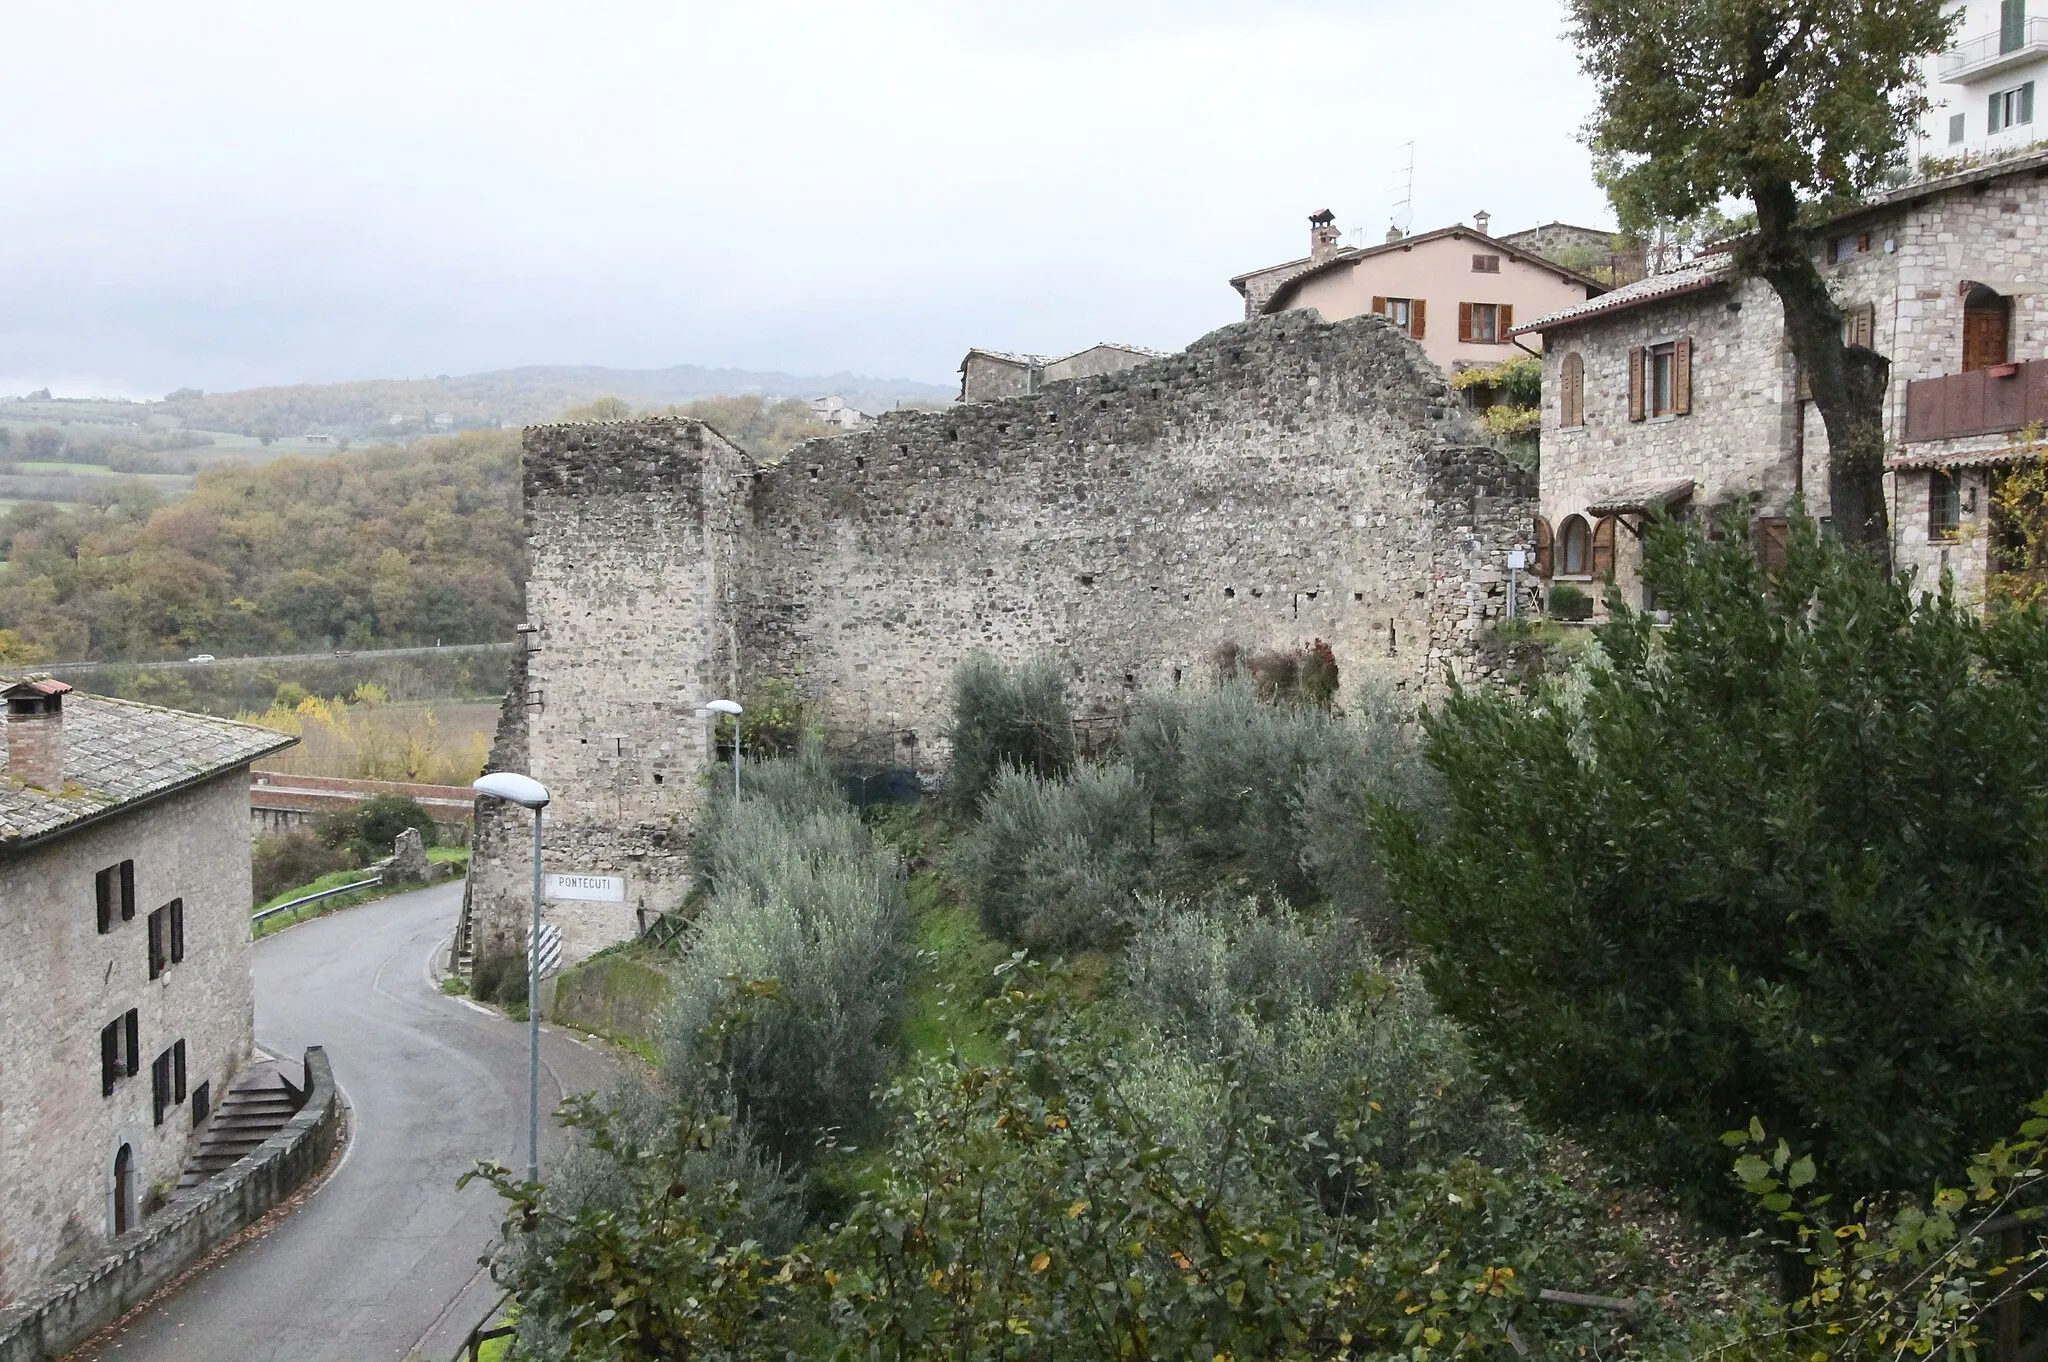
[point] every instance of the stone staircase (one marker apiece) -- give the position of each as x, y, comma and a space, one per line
256, 1108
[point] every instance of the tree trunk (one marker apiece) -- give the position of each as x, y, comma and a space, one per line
1847, 381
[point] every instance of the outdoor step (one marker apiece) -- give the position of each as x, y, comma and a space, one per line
257, 1107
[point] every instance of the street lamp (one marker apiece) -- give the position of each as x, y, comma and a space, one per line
528, 793
731, 707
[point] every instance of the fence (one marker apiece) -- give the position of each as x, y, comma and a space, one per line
305, 899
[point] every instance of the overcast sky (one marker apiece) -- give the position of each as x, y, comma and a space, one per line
222, 195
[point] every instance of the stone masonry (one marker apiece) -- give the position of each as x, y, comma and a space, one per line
1280, 481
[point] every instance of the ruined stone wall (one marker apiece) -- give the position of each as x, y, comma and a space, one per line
1278, 482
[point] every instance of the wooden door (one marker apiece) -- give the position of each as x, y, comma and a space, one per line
1984, 332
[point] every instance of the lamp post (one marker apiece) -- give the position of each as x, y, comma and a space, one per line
731, 707
528, 793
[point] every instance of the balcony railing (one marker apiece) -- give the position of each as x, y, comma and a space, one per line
2005, 397
1988, 55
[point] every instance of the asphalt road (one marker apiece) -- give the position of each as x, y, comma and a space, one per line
381, 1261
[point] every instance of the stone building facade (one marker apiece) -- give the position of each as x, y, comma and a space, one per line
1948, 278
990, 375
1278, 482
128, 1006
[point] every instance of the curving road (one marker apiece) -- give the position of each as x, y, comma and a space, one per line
381, 1262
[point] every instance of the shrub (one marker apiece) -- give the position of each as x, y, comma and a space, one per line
1007, 716
1057, 864
367, 831
1321, 1030
1567, 602
290, 859
789, 997
1781, 859
499, 977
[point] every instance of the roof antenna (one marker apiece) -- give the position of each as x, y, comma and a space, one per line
1404, 207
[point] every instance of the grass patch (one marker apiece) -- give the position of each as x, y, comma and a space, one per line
448, 855
956, 965
280, 921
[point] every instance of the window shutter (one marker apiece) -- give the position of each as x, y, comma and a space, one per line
1681, 375
156, 944
1772, 534
103, 891
2026, 114
1991, 123
1603, 549
1415, 314
1635, 383
1507, 322
177, 930
127, 890
1379, 306
1465, 322
110, 1056
131, 1024
178, 1072
1545, 548
1863, 326
2012, 25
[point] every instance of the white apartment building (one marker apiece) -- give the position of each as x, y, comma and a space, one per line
1983, 87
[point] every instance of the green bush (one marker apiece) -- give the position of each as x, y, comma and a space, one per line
499, 977
1783, 859
367, 831
1567, 602
1321, 1031
790, 992
1057, 864
1007, 716
288, 860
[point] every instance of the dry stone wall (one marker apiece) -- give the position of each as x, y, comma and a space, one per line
1280, 481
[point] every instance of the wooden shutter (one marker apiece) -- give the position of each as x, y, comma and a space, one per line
1546, 551
1415, 314
1379, 306
132, 1033
1507, 322
2026, 103
127, 890
1859, 326
1465, 322
1772, 535
1991, 123
1603, 549
177, 930
1681, 375
110, 1056
1635, 383
1571, 398
178, 1072
103, 891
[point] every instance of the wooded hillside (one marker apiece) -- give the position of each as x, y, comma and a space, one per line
382, 548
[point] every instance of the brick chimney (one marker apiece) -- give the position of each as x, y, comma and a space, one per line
35, 731
1323, 236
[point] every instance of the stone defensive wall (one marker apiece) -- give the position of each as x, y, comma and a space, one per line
1280, 481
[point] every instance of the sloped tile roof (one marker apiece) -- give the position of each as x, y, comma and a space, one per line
118, 753
1692, 277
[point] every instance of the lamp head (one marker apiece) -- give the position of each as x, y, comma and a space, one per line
725, 707
514, 788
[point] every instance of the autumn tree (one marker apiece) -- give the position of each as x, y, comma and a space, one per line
1801, 107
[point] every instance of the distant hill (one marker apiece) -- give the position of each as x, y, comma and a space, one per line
509, 397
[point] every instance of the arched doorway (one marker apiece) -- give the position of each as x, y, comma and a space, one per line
1987, 328
124, 1189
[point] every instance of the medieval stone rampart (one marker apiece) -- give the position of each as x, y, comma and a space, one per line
1280, 481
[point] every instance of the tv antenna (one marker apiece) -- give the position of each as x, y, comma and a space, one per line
1404, 207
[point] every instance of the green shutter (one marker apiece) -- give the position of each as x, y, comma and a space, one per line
1991, 123
2026, 113
2012, 25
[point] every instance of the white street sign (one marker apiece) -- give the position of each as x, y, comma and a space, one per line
587, 888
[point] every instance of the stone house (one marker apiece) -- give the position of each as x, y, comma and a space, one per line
125, 988
834, 410
1456, 290
1680, 390
989, 375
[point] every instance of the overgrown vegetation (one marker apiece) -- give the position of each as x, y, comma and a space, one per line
1778, 861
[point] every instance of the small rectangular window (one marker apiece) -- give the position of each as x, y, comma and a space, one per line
160, 1085
166, 937
1486, 264
113, 892
1944, 506
2010, 108
1663, 379
1955, 128
1485, 323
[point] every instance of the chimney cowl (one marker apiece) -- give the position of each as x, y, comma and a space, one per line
1481, 220
1323, 236
35, 731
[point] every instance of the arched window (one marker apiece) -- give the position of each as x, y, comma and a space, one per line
1574, 548
1571, 395
124, 1189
